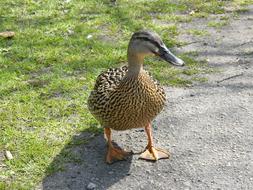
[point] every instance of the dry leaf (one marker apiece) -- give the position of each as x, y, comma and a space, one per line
8, 155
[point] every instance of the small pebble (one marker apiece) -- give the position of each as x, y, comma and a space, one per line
192, 12
91, 186
89, 37
70, 32
187, 183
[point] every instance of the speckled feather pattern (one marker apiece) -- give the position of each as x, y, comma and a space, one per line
122, 101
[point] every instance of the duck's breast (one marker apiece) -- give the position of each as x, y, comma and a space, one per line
134, 103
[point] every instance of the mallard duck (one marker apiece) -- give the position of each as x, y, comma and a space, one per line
127, 97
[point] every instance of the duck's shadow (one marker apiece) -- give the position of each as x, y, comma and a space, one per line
82, 164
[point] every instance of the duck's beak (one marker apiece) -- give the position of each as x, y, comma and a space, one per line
166, 55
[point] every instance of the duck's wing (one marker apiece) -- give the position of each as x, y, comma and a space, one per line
106, 82
110, 79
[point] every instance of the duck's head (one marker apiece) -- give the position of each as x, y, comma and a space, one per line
145, 43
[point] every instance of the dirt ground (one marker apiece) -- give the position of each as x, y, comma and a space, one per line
208, 128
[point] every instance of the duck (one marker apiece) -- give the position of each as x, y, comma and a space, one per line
128, 97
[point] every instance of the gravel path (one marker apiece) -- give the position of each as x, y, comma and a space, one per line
208, 127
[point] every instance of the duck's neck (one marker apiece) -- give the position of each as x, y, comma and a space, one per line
135, 64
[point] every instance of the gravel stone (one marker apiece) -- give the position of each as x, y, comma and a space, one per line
91, 186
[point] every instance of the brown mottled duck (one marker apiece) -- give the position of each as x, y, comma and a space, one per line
127, 97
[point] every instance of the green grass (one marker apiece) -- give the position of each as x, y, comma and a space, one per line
217, 24
197, 32
48, 69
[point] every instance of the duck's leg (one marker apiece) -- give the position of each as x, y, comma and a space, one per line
152, 153
114, 153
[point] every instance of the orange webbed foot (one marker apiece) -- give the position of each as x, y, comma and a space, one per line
154, 154
116, 154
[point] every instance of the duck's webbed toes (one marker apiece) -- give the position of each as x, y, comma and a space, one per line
154, 154
116, 154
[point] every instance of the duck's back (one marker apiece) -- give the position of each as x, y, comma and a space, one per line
120, 102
